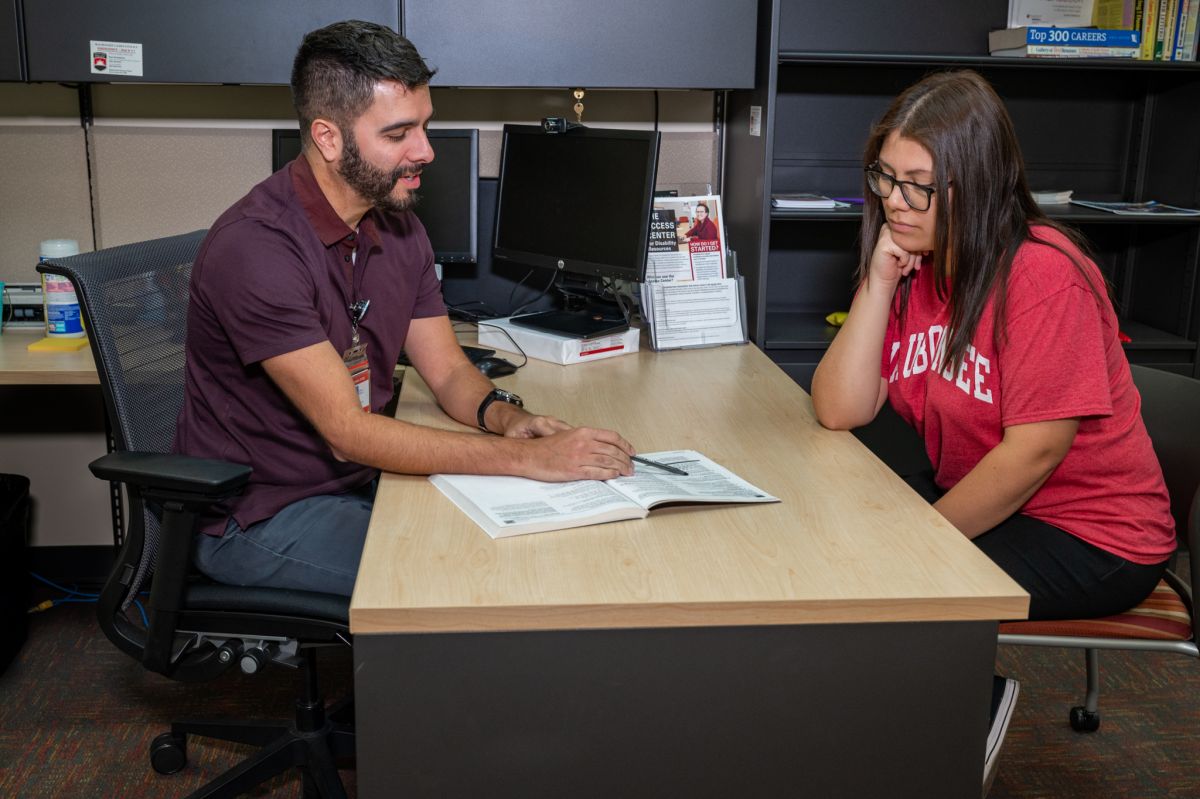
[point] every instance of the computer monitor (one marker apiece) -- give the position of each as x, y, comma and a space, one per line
577, 202
448, 200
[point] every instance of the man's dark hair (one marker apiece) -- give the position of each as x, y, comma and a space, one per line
337, 67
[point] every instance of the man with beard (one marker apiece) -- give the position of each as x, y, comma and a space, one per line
302, 296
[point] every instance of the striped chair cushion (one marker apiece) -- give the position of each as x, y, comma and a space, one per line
1162, 616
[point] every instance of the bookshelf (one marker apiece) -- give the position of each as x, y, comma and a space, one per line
1108, 129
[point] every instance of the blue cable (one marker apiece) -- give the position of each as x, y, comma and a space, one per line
142, 610
83, 596
64, 589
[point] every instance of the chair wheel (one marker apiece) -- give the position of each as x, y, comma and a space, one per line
168, 753
1083, 721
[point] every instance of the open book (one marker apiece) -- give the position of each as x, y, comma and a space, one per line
506, 506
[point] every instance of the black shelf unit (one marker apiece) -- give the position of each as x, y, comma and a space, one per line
1109, 129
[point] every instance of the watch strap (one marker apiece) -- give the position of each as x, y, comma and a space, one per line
495, 395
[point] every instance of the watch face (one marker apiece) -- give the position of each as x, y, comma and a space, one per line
508, 396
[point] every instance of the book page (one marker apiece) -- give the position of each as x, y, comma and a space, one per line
706, 481
513, 505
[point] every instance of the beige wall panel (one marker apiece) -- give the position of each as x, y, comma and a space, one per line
687, 161
43, 194
153, 182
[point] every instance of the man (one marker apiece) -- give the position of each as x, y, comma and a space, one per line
302, 296
704, 229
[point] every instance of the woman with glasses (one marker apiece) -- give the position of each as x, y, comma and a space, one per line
989, 330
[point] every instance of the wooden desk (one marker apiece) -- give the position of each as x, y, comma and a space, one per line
20, 367
839, 643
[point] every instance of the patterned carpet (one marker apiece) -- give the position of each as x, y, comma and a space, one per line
77, 717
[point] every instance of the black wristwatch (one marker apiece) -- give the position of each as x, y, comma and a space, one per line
496, 395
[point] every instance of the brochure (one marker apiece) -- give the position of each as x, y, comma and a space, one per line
689, 297
687, 241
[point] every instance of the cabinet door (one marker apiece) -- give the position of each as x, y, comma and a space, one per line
10, 42
216, 41
885, 26
667, 44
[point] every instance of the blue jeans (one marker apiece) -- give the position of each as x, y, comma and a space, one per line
313, 545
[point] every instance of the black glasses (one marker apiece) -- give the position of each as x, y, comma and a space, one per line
918, 196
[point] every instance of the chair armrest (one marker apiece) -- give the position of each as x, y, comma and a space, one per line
167, 474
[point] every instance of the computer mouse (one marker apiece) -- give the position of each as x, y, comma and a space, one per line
492, 366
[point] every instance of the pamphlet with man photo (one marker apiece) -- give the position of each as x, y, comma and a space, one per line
686, 240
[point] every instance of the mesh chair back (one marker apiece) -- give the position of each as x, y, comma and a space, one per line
134, 303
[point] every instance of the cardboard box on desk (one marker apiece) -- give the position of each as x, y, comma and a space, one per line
554, 348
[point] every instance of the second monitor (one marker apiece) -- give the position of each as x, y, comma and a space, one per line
448, 200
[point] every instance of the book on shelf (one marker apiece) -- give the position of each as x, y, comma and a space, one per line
1117, 14
1065, 42
1052, 196
509, 506
1050, 12
1185, 32
1160, 30
1148, 208
801, 201
1169, 30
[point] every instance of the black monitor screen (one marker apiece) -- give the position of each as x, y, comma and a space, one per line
577, 201
448, 199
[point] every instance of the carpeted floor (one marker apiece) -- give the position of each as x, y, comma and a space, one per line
77, 718
77, 715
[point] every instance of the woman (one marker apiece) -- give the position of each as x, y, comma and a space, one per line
989, 331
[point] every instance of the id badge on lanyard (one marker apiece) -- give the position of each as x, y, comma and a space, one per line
355, 357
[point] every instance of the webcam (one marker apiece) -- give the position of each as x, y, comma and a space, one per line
558, 125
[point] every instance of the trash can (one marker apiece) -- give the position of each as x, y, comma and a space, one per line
15, 590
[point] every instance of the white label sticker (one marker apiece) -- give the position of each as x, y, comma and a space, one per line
116, 58
756, 120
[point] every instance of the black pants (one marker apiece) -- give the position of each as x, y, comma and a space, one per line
1066, 578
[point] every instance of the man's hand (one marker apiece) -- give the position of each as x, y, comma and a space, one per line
576, 453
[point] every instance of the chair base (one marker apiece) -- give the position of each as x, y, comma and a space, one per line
315, 752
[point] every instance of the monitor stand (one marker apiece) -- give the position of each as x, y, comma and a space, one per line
589, 312
573, 324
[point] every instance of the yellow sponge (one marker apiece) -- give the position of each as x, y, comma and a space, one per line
49, 344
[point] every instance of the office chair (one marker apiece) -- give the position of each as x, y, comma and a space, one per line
1166, 621
134, 303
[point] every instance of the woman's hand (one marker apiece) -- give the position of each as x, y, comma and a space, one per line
889, 261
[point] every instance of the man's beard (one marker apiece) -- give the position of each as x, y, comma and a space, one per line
372, 183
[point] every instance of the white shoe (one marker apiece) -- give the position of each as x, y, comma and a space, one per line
1004, 700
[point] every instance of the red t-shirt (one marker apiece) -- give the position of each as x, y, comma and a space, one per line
1059, 358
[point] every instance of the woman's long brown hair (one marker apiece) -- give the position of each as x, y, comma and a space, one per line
958, 117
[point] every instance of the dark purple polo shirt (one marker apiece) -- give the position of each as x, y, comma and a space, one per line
276, 273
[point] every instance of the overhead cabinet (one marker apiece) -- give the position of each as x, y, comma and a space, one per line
215, 41
667, 44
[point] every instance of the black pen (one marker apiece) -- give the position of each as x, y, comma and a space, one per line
665, 467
